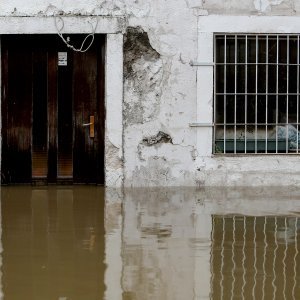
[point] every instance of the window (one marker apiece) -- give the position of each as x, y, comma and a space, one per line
256, 93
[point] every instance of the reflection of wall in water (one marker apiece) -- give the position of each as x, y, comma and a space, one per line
167, 239
160, 246
255, 257
113, 238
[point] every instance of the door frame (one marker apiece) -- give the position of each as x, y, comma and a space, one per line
113, 28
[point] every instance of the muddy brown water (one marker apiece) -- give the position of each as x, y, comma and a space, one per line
87, 242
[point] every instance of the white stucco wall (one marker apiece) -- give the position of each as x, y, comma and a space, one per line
162, 94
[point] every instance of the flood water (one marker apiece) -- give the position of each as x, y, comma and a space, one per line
87, 242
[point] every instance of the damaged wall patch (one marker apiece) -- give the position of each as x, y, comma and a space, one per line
137, 45
161, 137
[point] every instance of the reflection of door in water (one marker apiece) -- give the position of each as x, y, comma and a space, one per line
52, 110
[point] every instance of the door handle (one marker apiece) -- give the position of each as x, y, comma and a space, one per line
92, 126
86, 124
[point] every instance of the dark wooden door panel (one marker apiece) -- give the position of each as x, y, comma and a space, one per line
39, 114
85, 116
44, 109
65, 121
17, 105
100, 124
52, 116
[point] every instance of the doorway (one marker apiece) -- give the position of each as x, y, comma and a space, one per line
53, 112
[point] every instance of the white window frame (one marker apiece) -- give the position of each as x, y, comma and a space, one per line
208, 26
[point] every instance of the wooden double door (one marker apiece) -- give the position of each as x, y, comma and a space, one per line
52, 110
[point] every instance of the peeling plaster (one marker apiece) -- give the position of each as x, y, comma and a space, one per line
143, 72
113, 155
264, 5
136, 47
167, 149
161, 137
155, 140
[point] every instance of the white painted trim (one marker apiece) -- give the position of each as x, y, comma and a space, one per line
114, 107
46, 25
253, 24
205, 93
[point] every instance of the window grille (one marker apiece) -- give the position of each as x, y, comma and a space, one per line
256, 93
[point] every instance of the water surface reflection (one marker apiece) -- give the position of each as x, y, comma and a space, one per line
211, 244
85, 242
53, 245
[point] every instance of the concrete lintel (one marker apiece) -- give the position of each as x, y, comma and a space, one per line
251, 24
71, 24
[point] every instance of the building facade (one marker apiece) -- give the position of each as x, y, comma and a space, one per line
192, 93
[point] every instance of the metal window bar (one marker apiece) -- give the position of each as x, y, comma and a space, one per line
281, 144
246, 90
297, 126
256, 78
235, 83
267, 87
287, 91
276, 110
225, 83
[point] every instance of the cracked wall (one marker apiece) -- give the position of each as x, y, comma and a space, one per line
160, 89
